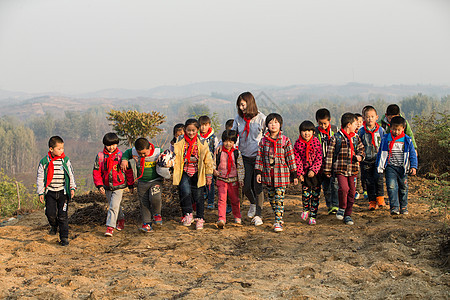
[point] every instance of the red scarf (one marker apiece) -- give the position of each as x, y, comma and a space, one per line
142, 162
207, 133
308, 146
274, 142
247, 126
391, 143
349, 136
327, 132
51, 168
110, 159
372, 133
230, 158
191, 143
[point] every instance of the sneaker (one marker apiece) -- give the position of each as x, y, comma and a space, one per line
188, 219
312, 221
372, 205
238, 221
357, 195
304, 215
120, 224
64, 242
157, 219
257, 221
348, 220
210, 206
277, 227
333, 210
220, 224
340, 214
199, 225
380, 201
366, 196
53, 230
251, 211
109, 231
146, 227
404, 211
395, 211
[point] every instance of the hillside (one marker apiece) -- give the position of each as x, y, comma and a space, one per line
380, 257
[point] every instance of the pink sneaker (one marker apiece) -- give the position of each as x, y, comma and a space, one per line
157, 219
199, 225
312, 221
188, 219
146, 227
120, 224
109, 231
304, 215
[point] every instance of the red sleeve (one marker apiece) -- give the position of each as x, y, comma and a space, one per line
129, 176
97, 173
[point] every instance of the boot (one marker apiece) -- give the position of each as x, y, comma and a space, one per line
372, 205
380, 201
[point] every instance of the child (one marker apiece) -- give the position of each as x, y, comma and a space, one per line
142, 159
397, 157
207, 134
393, 110
371, 134
324, 132
110, 180
250, 125
56, 184
192, 170
177, 131
230, 174
308, 156
275, 166
344, 153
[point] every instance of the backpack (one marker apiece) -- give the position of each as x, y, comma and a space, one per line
101, 157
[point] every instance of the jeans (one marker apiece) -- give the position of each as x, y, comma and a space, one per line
150, 199
56, 211
374, 182
209, 193
232, 190
115, 210
347, 189
397, 186
252, 189
190, 193
330, 191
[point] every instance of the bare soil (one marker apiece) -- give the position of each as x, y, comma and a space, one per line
380, 257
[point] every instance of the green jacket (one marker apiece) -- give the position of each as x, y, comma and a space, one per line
69, 179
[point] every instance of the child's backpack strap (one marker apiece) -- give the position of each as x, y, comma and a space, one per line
101, 158
236, 155
337, 147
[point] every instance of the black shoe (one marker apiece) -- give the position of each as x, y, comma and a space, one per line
53, 230
64, 242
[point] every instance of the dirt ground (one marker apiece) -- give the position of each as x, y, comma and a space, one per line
380, 257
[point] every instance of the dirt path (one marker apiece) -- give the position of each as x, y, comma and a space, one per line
380, 257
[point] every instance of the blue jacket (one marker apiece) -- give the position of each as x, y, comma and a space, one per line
369, 149
410, 157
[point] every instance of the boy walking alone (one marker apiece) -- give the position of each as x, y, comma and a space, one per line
56, 186
344, 153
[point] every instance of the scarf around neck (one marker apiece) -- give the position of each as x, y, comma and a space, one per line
327, 131
206, 135
372, 133
394, 139
308, 146
350, 136
51, 168
110, 159
230, 158
142, 161
247, 126
191, 143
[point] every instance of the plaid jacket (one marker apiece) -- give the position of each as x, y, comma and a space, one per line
344, 164
283, 166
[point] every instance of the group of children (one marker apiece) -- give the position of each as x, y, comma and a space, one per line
252, 151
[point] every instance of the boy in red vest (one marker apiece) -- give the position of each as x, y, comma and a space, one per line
56, 186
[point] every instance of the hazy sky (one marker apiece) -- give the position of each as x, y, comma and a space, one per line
86, 45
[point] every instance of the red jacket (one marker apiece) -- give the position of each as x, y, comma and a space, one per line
115, 179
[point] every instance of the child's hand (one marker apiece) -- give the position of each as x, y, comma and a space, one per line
241, 183
124, 165
101, 190
311, 174
295, 181
358, 157
413, 172
302, 178
41, 198
72, 193
216, 173
208, 181
329, 175
258, 178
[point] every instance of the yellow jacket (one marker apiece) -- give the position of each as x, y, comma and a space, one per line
205, 162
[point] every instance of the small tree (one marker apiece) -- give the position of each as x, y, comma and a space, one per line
131, 124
